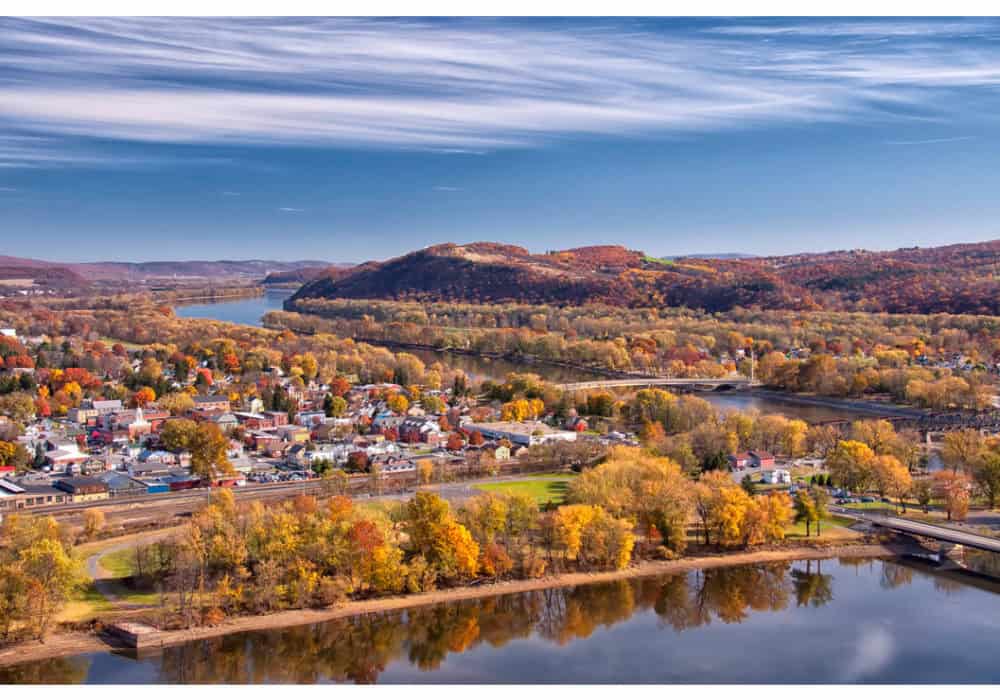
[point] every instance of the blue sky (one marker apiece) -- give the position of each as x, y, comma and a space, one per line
353, 139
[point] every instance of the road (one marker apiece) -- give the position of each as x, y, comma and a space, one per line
937, 532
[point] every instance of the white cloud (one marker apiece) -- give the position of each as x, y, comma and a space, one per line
467, 86
444, 188
921, 142
292, 210
873, 651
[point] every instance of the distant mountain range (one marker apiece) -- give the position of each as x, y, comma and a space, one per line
962, 278
63, 275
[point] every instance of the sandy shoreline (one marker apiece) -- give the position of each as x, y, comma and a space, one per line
72, 643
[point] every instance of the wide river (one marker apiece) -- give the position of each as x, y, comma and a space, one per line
833, 621
250, 311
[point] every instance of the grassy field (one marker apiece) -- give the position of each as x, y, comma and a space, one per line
119, 564
833, 528
544, 488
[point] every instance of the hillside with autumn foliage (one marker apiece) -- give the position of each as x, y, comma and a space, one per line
961, 278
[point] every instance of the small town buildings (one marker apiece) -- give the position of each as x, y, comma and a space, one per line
83, 489
777, 476
740, 460
66, 457
760, 459
254, 421
121, 484
212, 403
524, 433
15, 497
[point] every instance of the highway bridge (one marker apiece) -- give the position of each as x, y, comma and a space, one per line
941, 533
734, 382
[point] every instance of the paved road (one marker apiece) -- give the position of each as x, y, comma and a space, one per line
941, 533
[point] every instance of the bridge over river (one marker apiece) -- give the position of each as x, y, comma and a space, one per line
729, 382
941, 533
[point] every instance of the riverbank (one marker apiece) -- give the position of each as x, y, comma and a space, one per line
73, 643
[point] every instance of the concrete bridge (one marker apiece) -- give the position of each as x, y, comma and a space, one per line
946, 535
734, 382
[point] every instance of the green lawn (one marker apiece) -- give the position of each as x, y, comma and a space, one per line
119, 564
834, 527
545, 488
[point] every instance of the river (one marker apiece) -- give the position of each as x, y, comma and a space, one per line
250, 311
832, 621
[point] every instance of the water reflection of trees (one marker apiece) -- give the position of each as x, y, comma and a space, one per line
359, 649
65, 670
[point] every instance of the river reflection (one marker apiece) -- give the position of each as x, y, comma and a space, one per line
805, 621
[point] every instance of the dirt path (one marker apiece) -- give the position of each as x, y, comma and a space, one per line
69, 644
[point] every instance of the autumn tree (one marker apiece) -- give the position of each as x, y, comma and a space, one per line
892, 478
953, 489
93, 522
986, 475
850, 465
209, 448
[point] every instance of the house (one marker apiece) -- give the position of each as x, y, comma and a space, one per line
254, 421
121, 484
777, 476
419, 429
310, 418
83, 489
105, 408
82, 415
212, 403
20, 496
293, 433
760, 459
66, 457
740, 460
524, 433
278, 418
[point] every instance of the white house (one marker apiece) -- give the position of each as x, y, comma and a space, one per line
777, 476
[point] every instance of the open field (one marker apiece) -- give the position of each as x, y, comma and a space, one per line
544, 489
835, 527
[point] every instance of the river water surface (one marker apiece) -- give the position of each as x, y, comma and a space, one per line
832, 621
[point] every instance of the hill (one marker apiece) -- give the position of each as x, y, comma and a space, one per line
301, 275
962, 278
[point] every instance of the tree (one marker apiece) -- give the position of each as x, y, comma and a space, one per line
892, 478
953, 489
960, 448
986, 475
143, 397
93, 522
38, 573
209, 449
850, 465
434, 534
923, 492
748, 485
805, 510
177, 403
455, 442
334, 406
178, 434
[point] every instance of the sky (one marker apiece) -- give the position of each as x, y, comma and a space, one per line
358, 139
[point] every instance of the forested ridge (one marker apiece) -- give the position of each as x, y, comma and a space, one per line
951, 279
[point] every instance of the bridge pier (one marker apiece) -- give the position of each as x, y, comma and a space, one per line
950, 555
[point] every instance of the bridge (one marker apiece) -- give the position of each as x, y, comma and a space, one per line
949, 535
734, 382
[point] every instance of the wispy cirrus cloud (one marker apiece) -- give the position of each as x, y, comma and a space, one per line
291, 210
925, 142
467, 86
